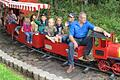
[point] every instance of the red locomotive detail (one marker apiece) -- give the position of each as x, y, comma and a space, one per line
107, 53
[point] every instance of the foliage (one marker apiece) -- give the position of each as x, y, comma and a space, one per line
103, 13
7, 74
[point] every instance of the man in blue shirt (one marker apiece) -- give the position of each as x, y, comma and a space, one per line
78, 36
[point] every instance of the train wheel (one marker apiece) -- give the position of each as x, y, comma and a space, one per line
116, 68
103, 65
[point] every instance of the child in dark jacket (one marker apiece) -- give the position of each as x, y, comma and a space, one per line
59, 25
59, 28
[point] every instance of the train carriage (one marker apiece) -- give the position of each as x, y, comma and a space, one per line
62, 48
29, 7
38, 41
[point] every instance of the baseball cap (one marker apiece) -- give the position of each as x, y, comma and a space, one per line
43, 14
71, 15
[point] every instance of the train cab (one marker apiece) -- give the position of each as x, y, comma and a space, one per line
104, 47
100, 44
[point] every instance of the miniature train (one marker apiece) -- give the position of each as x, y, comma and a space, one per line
105, 51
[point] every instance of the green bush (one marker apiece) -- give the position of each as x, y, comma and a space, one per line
103, 13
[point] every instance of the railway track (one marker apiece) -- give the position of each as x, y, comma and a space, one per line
52, 65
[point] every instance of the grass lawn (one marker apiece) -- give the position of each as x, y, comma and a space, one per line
8, 74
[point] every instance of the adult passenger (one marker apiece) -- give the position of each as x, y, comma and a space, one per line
11, 18
78, 36
20, 20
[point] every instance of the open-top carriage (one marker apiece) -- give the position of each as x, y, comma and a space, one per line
24, 7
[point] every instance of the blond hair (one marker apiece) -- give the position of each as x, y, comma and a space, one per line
58, 18
51, 20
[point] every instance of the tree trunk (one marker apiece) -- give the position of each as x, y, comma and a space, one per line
56, 5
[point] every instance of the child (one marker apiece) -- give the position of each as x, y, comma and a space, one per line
50, 30
27, 29
43, 24
59, 25
59, 28
33, 24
